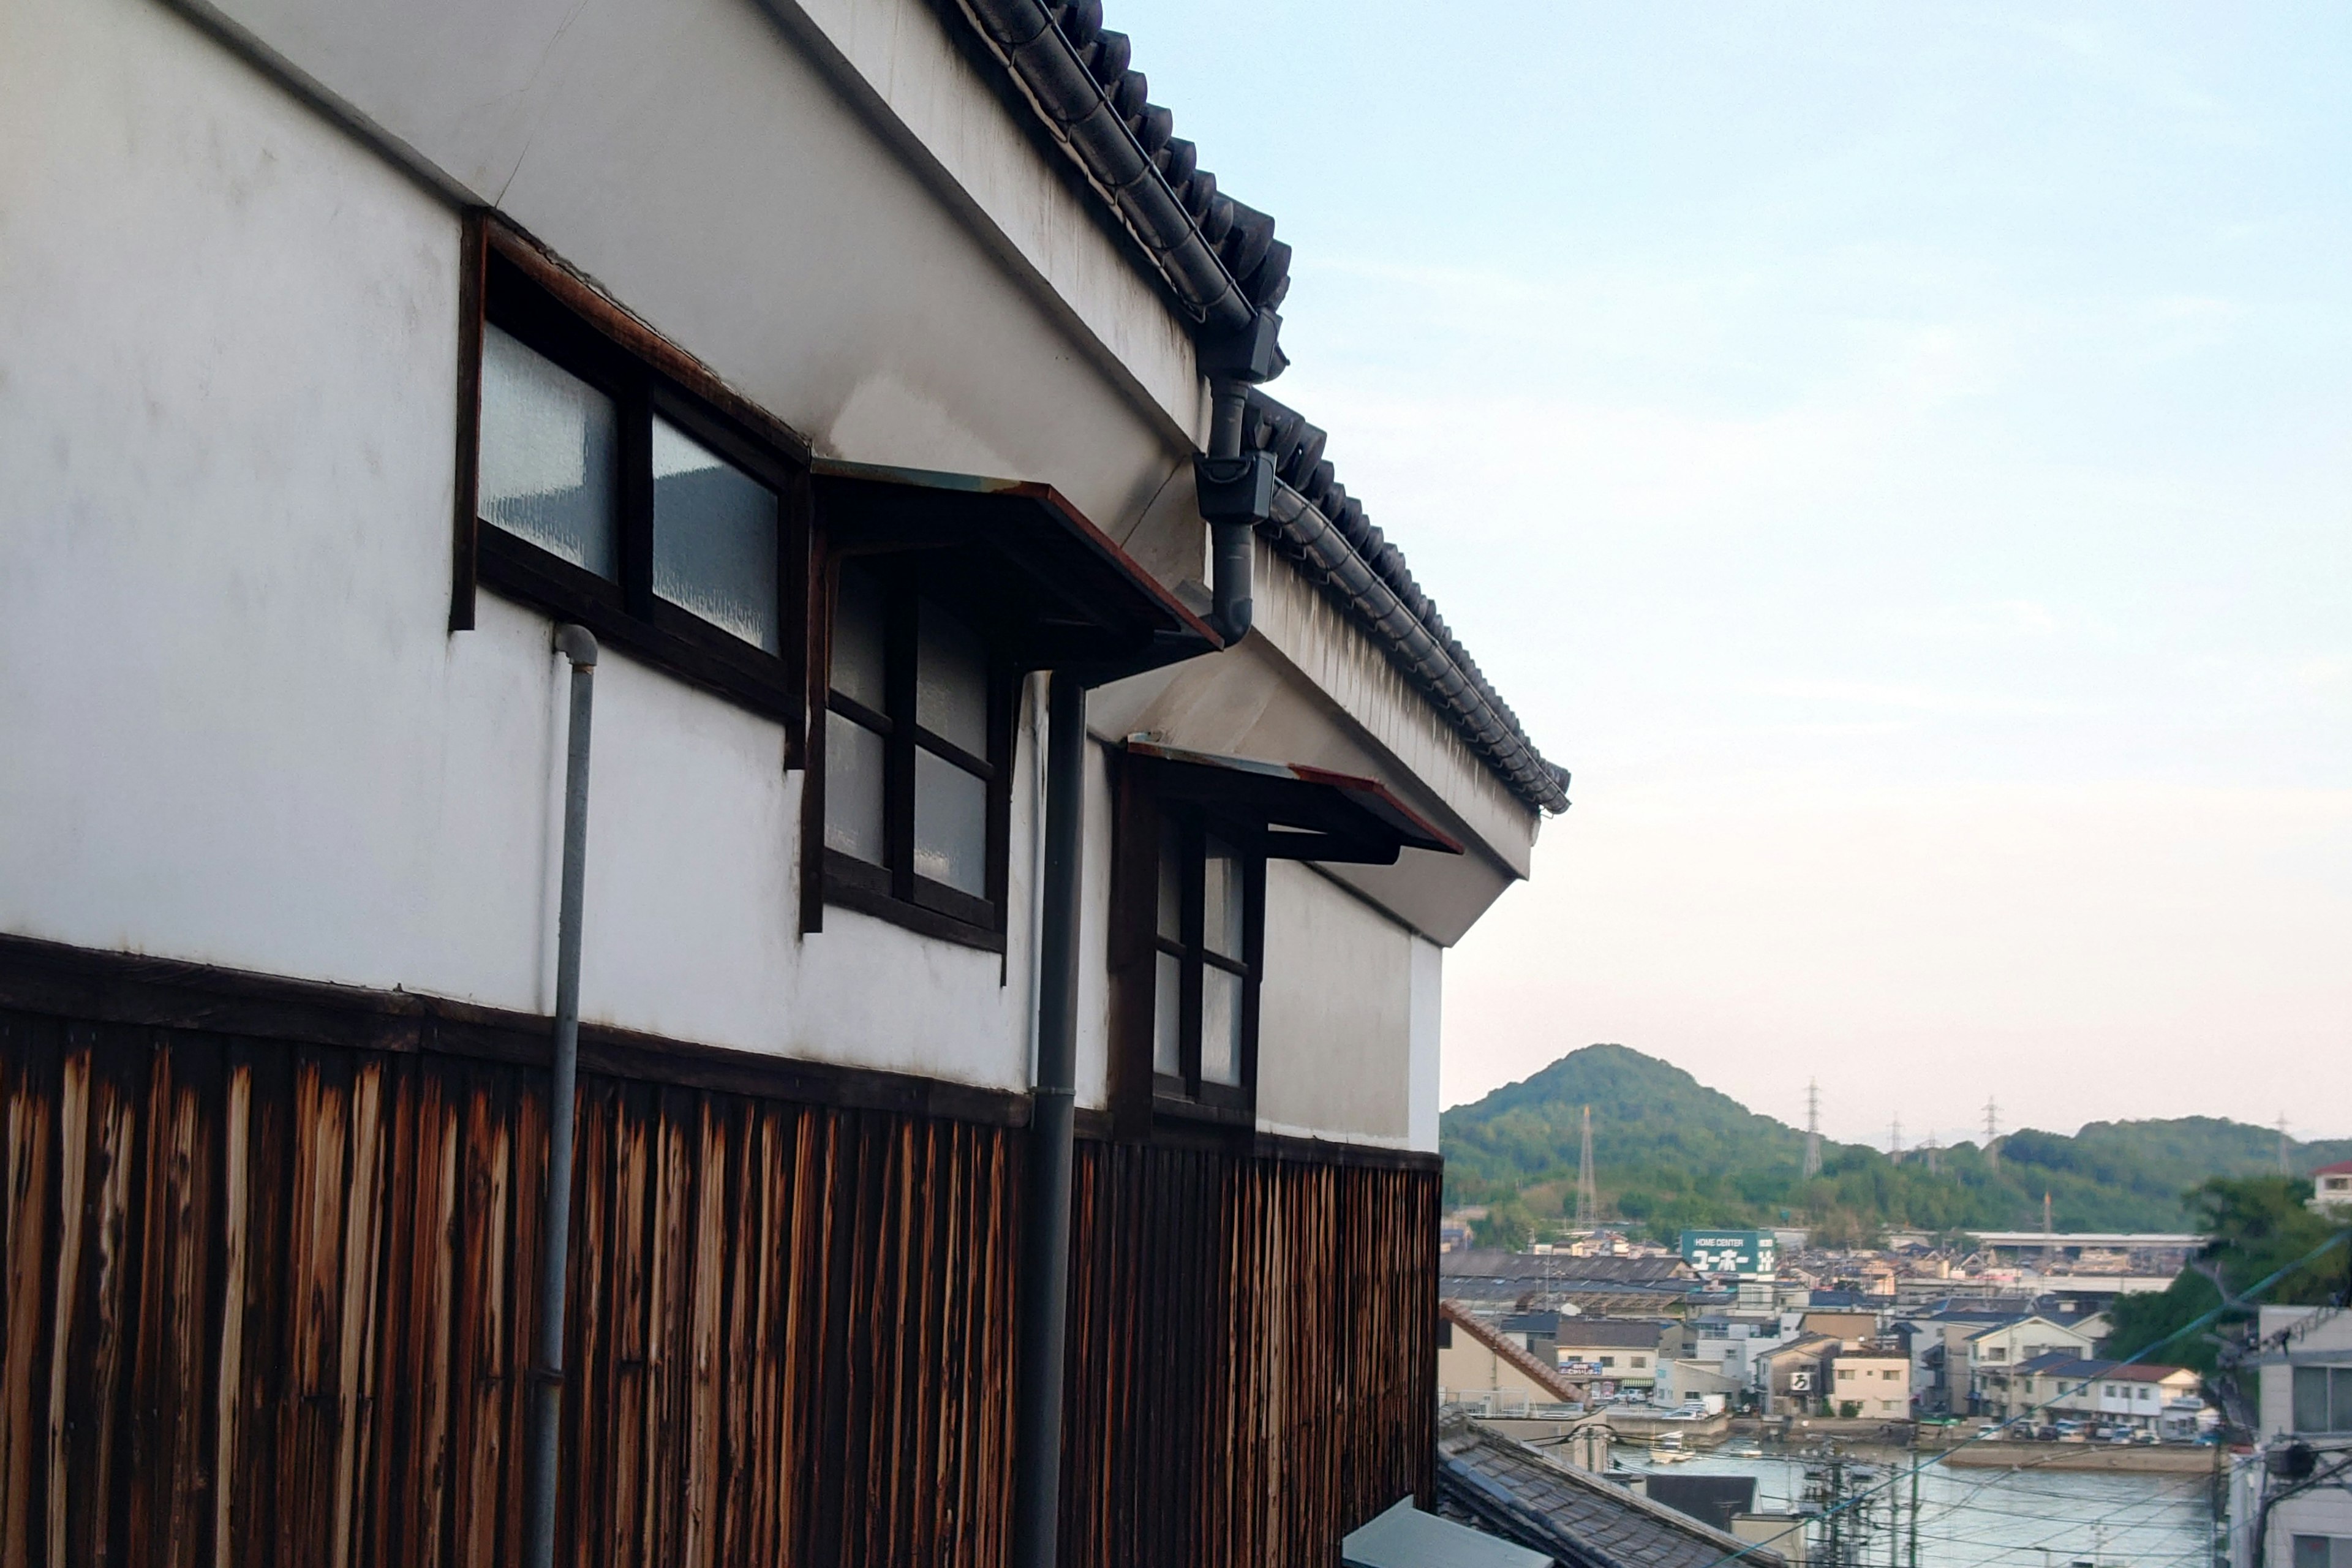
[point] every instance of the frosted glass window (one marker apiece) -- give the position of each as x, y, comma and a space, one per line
853, 789
1221, 901
1172, 881
860, 623
950, 825
1168, 1016
714, 538
1221, 1025
549, 456
950, 678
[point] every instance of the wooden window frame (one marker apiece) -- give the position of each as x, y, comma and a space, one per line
893, 890
510, 282
1140, 1093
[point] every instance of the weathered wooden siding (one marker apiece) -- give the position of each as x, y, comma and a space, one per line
268, 1303
1253, 1358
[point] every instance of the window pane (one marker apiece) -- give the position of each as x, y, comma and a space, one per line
853, 789
950, 825
2341, 1419
1221, 1025
2311, 1399
2311, 1551
549, 456
1220, 903
860, 615
714, 538
951, 680
1172, 881
1168, 1016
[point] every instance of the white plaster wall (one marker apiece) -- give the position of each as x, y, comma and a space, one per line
238, 730
1335, 1014
1309, 686
698, 162
1427, 1025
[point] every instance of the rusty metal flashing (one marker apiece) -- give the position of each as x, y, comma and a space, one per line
915, 508
1524, 1361
1411, 829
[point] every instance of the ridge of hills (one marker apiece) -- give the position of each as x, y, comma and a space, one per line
1669, 1152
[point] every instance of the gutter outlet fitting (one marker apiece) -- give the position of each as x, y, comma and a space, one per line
575, 644
1046, 1224
1235, 486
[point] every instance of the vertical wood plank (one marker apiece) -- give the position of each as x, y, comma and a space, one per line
32, 1103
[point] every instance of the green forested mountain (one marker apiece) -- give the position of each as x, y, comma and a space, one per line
1671, 1151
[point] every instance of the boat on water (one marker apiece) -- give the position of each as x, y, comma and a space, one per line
1742, 1448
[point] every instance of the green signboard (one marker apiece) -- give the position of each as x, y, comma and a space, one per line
1728, 1251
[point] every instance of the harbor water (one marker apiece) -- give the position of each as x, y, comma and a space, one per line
2001, 1518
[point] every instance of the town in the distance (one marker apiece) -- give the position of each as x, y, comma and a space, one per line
1780, 1381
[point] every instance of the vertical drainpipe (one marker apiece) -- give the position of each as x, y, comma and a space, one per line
1045, 1221
575, 644
1235, 491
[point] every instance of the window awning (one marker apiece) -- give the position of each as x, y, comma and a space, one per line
1302, 813
1053, 591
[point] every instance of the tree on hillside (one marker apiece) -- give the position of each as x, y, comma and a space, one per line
2258, 1225
1507, 1227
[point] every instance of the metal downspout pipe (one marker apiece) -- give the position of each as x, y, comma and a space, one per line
546, 1412
1045, 1225
1235, 489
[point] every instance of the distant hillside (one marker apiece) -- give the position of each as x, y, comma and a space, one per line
1670, 1151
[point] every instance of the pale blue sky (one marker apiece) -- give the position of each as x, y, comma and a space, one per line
1901, 458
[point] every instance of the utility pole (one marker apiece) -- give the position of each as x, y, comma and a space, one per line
1813, 1128
2048, 1248
1588, 1196
1993, 1134
1914, 1516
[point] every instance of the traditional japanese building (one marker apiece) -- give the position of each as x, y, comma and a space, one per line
755, 529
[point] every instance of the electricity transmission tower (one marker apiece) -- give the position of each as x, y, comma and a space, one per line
1813, 1128
1895, 1141
1993, 1134
1588, 1196
1931, 1146
2286, 1159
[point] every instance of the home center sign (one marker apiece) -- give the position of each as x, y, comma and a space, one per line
1728, 1251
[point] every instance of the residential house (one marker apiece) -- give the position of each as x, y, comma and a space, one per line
1535, 1333
2134, 1393
753, 528
2287, 1502
1871, 1380
1997, 1349
1513, 1492
1791, 1379
1939, 1354
1619, 1355
1731, 1340
1481, 1363
1685, 1381
1847, 1324
2331, 1188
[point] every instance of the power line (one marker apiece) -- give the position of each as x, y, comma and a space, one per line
2201, 1321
